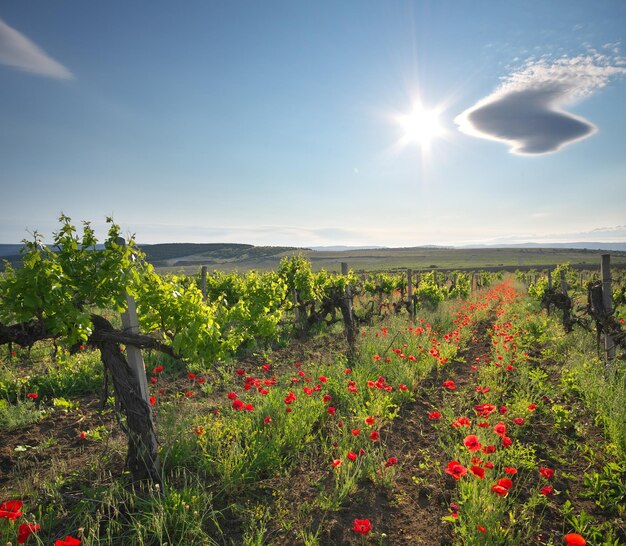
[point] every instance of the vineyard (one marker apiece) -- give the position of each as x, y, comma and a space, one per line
302, 407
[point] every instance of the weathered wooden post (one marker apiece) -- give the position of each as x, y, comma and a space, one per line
563, 283
131, 391
409, 290
203, 282
549, 279
549, 290
567, 304
347, 313
607, 300
130, 323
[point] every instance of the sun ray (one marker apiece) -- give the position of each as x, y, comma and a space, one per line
420, 127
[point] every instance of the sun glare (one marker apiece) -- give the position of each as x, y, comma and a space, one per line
421, 126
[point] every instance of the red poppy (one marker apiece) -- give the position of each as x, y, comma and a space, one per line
478, 472
574, 539
532, 407
152, 400
449, 384
362, 526
331, 410
237, 405
189, 394
240, 372
290, 398
356, 432
370, 420
25, 530
67, 541
548, 490
32, 395
505, 482
519, 421
501, 491
481, 529
352, 455
489, 465
506, 441
456, 470
374, 436
265, 368
153, 380
489, 449
510, 470
484, 410
391, 461
500, 429
83, 435
157, 369
547, 473
434, 415
336, 463
267, 420
10, 510
199, 430
471, 442
462, 422
403, 387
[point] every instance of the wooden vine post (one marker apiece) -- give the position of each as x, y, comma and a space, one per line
567, 310
607, 300
130, 324
131, 390
203, 282
549, 279
348, 314
409, 290
549, 288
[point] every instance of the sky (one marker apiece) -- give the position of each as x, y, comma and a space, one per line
383, 123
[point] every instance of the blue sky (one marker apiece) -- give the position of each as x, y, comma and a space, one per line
281, 122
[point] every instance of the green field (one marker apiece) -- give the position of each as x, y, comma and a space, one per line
401, 258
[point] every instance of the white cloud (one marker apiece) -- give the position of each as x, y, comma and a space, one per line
18, 51
527, 112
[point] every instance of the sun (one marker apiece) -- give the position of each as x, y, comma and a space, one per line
421, 126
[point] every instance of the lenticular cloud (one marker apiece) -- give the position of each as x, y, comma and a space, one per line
18, 51
527, 112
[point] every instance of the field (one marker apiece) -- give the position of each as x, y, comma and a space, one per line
394, 259
478, 420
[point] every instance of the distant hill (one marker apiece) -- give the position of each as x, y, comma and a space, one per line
174, 257
187, 254
343, 248
10, 250
589, 246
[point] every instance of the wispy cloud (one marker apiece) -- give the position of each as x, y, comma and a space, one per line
18, 51
527, 112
